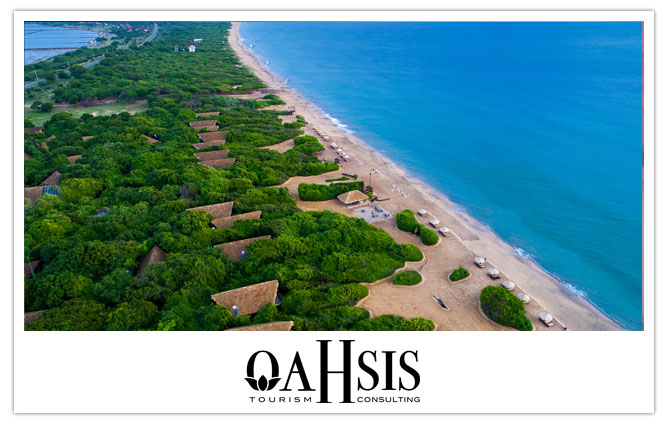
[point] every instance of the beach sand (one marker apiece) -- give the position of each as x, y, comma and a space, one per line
468, 237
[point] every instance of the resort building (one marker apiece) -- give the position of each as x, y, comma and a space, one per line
53, 179
211, 136
219, 163
204, 124
153, 256
209, 114
249, 299
218, 210
211, 155
227, 222
238, 250
192, 48
354, 197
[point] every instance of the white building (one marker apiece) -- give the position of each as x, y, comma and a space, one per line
197, 40
191, 48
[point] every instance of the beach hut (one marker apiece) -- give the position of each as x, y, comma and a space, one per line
524, 298
479, 261
218, 210
508, 285
53, 179
444, 231
211, 155
153, 256
434, 222
249, 299
422, 212
352, 197
546, 318
204, 124
221, 223
269, 326
212, 136
218, 163
238, 249
493, 273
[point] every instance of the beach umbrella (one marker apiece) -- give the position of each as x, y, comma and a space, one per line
493, 271
479, 260
509, 285
525, 298
545, 316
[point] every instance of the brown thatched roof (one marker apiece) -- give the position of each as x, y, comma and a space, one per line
151, 140
270, 326
211, 155
212, 136
35, 129
221, 223
352, 197
209, 114
53, 179
200, 145
154, 255
51, 137
219, 210
87, 137
218, 164
203, 123
73, 159
26, 156
27, 270
234, 249
249, 299
30, 317
33, 193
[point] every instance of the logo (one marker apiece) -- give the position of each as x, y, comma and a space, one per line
367, 376
262, 384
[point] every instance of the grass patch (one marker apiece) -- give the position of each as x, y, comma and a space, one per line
460, 273
98, 110
503, 307
407, 278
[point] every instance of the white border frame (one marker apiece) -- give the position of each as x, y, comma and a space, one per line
126, 372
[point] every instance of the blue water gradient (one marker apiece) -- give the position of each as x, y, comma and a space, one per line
45, 41
534, 128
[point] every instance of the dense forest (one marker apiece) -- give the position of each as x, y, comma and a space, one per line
125, 194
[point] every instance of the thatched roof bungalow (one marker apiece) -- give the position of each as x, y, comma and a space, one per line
270, 326
31, 316
221, 223
53, 179
211, 155
33, 193
26, 156
218, 210
219, 163
209, 114
35, 129
204, 124
352, 197
153, 256
73, 159
212, 136
150, 140
237, 250
201, 145
29, 268
249, 299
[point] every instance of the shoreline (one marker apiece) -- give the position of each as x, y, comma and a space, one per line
468, 236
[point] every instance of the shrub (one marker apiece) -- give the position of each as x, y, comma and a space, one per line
46, 107
319, 192
428, 236
411, 253
460, 273
407, 278
406, 221
503, 307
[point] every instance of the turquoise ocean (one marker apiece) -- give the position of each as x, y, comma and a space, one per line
45, 41
535, 129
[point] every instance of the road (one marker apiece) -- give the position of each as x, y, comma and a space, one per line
151, 37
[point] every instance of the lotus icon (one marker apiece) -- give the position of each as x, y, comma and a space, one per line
262, 383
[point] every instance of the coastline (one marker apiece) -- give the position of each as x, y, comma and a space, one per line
469, 237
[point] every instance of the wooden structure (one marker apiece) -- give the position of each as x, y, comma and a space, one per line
35, 129
249, 299
53, 179
218, 210
226, 222
201, 145
211, 155
204, 124
237, 250
212, 136
352, 197
153, 256
270, 326
209, 114
218, 163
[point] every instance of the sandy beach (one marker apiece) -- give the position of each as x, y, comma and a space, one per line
468, 237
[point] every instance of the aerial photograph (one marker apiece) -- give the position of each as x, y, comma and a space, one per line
333, 176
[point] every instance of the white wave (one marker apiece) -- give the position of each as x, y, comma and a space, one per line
339, 124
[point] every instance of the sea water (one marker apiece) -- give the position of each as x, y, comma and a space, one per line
45, 41
534, 128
